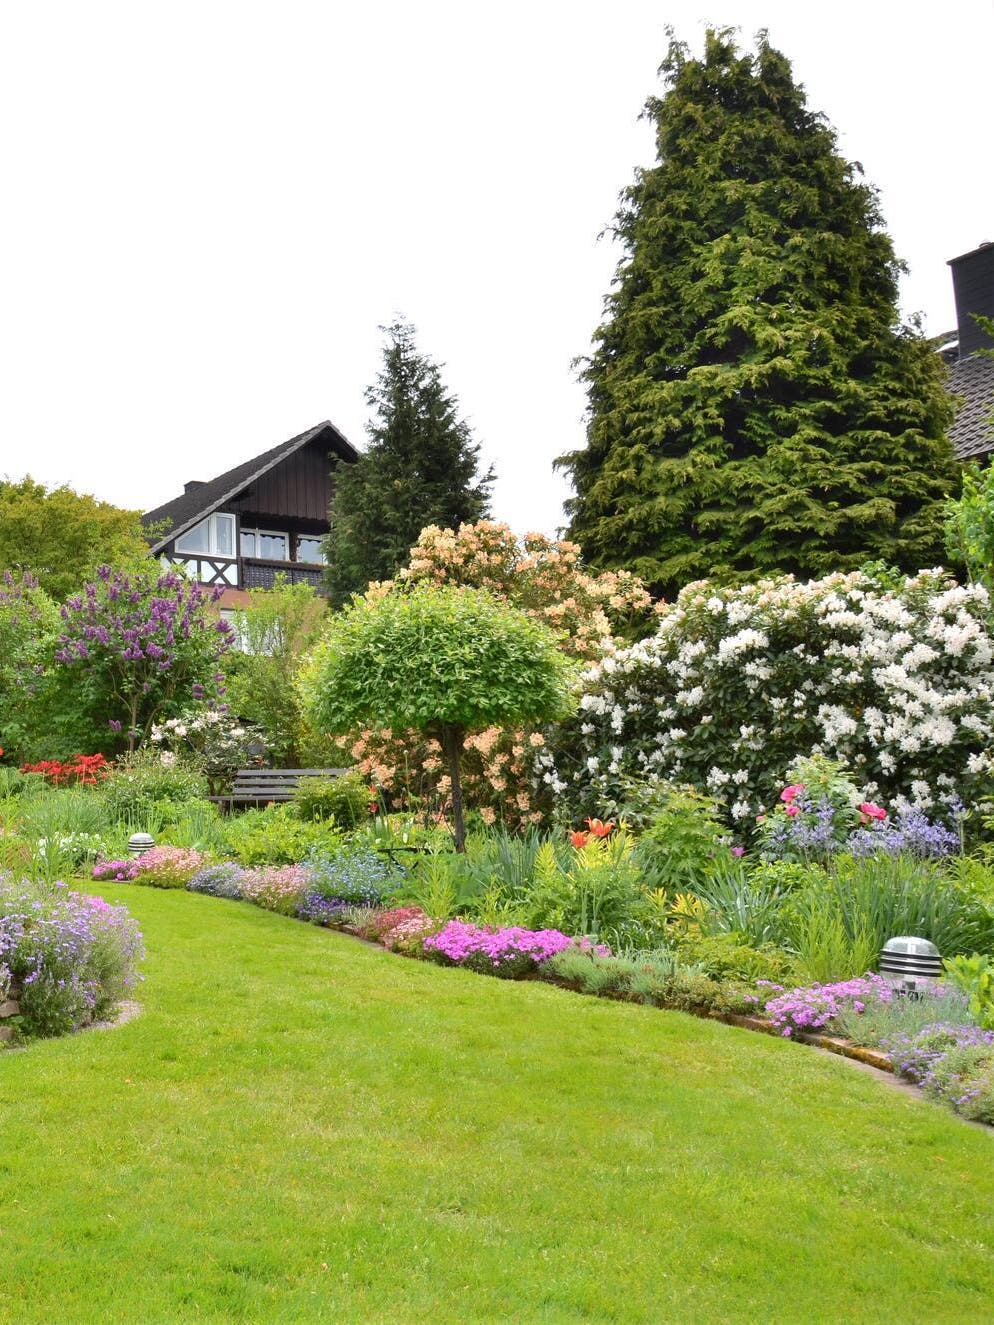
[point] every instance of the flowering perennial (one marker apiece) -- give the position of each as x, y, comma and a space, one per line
806, 1010
896, 684
121, 871
507, 952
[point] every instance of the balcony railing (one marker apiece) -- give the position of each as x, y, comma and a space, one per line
248, 572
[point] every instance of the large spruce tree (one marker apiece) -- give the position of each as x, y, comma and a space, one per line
421, 468
754, 402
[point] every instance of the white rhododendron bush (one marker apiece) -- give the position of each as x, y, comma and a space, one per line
895, 682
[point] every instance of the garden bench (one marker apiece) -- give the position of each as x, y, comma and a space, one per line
260, 786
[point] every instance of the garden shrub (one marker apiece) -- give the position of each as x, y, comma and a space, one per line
893, 682
276, 836
276, 888
71, 958
974, 978
210, 740
142, 785
168, 867
682, 837
346, 799
356, 876
724, 956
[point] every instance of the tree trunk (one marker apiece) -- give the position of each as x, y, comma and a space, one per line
452, 748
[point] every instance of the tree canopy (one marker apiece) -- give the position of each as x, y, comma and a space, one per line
441, 660
420, 468
61, 537
754, 403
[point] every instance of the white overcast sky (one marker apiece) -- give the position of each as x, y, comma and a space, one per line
209, 208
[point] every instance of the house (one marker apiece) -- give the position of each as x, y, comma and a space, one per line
263, 518
971, 375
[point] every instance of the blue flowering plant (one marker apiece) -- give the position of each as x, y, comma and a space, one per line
355, 877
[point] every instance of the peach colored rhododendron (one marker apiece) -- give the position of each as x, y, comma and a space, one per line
543, 577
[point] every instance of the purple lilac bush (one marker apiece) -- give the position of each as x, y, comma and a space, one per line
70, 958
506, 952
807, 1010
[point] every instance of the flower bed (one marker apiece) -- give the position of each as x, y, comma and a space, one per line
70, 958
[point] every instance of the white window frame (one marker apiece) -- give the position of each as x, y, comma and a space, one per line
213, 543
259, 533
312, 538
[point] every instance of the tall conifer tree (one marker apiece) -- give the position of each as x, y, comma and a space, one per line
420, 468
754, 403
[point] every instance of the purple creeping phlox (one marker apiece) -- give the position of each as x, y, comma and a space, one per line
509, 952
916, 1056
121, 871
805, 1010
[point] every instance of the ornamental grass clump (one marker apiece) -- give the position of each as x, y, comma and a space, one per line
69, 958
168, 867
509, 953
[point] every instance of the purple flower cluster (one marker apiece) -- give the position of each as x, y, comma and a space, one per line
811, 1009
916, 1056
321, 910
143, 637
69, 957
812, 831
508, 952
912, 833
121, 871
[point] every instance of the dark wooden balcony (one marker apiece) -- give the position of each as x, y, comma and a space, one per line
248, 572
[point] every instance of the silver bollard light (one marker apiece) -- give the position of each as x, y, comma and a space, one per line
907, 962
139, 843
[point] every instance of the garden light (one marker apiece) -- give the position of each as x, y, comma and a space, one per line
905, 961
139, 843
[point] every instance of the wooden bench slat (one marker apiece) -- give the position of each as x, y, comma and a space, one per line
249, 786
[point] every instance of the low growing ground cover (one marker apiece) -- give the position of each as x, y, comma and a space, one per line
300, 1127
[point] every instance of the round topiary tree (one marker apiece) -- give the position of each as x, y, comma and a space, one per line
441, 660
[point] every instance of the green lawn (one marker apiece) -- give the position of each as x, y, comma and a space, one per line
303, 1128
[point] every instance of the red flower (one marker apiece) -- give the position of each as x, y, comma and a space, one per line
579, 840
598, 828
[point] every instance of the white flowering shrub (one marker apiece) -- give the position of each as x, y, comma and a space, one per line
894, 682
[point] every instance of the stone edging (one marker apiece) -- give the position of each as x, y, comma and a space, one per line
9, 1008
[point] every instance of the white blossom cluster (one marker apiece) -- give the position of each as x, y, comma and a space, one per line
736, 683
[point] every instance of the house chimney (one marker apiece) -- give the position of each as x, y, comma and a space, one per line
193, 483
973, 288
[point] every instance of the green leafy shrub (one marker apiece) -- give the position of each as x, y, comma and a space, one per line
724, 956
682, 838
275, 835
344, 799
974, 977
142, 788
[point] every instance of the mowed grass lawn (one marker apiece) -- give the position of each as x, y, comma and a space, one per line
302, 1128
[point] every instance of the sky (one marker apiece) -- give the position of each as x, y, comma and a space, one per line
211, 208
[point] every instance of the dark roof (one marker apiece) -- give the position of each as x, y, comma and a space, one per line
204, 498
972, 379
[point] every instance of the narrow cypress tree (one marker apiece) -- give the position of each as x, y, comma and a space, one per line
420, 468
754, 403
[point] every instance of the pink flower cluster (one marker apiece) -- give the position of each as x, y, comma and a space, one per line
276, 888
169, 867
462, 943
121, 871
789, 796
812, 1009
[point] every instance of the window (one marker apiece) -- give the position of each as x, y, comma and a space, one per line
213, 537
309, 549
265, 545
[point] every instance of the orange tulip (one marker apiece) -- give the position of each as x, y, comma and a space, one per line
579, 840
598, 828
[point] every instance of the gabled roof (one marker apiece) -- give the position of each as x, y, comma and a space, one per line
972, 379
202, 500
